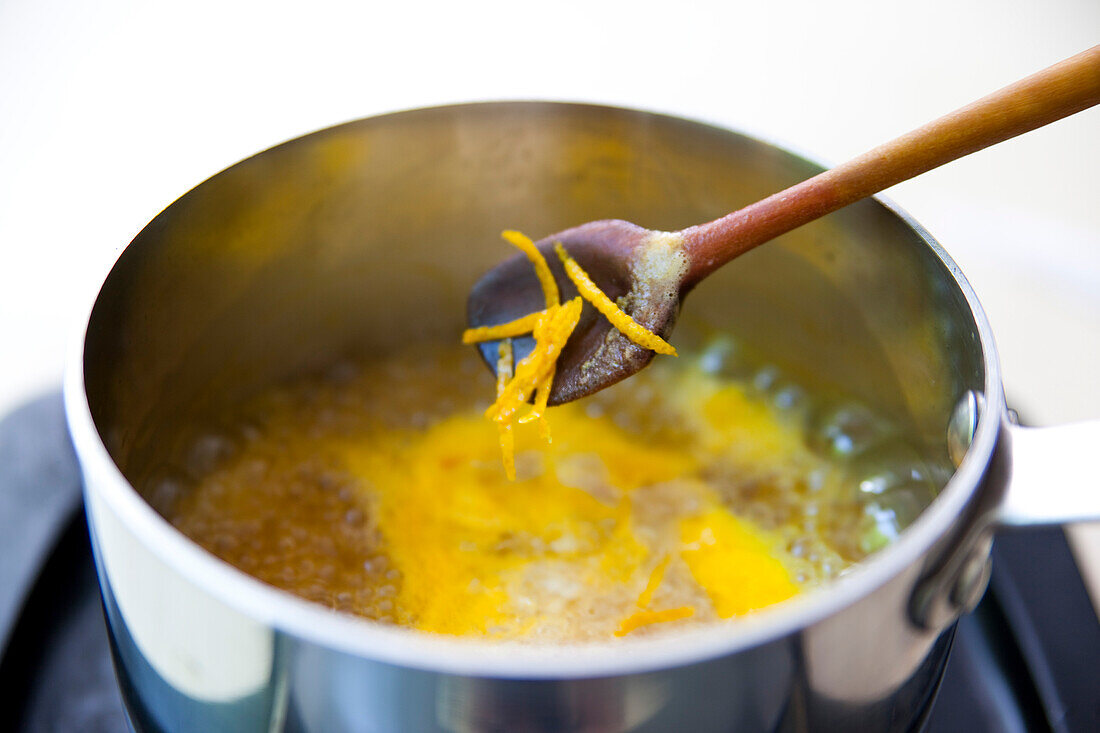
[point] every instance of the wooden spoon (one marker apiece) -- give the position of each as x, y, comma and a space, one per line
653, 271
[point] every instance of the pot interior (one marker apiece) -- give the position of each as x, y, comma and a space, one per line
364, 238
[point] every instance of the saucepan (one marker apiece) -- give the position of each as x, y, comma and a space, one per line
366, 237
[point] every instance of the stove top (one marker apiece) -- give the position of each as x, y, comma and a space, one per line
1028, 659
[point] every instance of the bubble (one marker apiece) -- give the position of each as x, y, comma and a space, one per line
342, 372
594, 409
375, 565
223, 543
881, 527
714, 357
765, 378
207, 453
907, 503
790, 398
848, 431
876, 484
627, 420
893, 478
163, 494
529, 464
722, 356
799, 548
254, 470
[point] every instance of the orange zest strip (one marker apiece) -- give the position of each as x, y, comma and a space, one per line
630, 328
551, 333
518, 327
504, 364
542, 270
645, 618
526, 377
507, 439
508, 450
655, 579
538, 410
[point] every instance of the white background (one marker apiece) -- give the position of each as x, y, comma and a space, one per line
109, 110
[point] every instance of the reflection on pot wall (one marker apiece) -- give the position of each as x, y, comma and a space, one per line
187, 660
350, 694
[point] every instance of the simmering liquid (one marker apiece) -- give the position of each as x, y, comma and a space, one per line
682, 496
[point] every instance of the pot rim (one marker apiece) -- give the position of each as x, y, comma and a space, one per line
294, 616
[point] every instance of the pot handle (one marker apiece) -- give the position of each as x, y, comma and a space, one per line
1055, 475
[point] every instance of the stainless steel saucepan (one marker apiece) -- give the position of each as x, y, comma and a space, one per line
364, 238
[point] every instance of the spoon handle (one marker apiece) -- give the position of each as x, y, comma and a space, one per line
1051, 94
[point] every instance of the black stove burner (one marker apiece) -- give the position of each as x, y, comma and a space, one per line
1027, 660
57, 667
